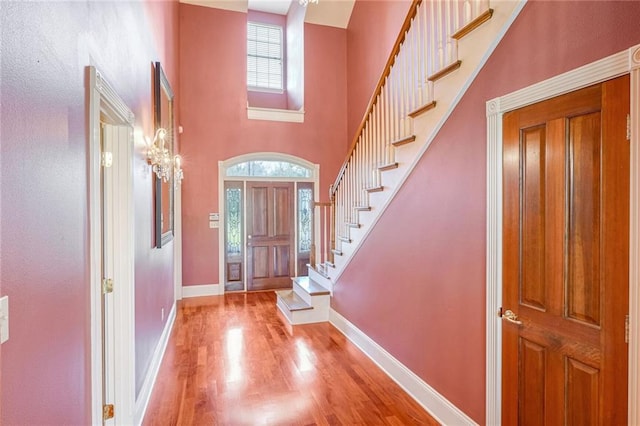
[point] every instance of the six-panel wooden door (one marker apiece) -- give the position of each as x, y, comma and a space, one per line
270, 235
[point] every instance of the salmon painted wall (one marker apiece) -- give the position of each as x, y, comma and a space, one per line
417, 284
46, 47
213, 107
373, 29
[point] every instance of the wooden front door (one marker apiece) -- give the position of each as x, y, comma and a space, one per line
565, 273
270, 233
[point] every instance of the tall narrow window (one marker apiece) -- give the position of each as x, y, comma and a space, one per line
305, 209
233, 253
305, 226
264, 56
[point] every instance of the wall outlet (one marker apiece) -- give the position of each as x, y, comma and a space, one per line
4, 319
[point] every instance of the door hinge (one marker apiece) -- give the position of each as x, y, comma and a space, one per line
628, 127
626, 328
107, 159
107, 285
107, 411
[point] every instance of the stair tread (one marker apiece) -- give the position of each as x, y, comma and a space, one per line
424, 108
445, 71
388, 166
293, 301
310, 286
473, 25
404, 141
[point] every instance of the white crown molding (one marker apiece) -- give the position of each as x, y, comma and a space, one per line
624, 62
437, 405
111, 97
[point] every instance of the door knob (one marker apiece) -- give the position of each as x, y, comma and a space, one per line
511, 317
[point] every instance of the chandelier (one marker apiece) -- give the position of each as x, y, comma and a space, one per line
306, 2
162, 164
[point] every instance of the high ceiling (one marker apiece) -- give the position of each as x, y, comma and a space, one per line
334, 13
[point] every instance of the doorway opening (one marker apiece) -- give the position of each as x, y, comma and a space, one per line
110, 127
266, 220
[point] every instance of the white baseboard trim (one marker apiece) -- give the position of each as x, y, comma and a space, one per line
147, 387
201, 290
438, 406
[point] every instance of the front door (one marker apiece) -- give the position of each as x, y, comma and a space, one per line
270, 233
566, 259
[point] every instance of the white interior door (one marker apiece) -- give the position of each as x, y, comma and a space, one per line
107, 187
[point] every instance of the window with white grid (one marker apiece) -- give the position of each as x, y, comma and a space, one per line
264, 56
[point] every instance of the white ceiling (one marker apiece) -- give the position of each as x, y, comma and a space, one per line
279, 7
333, 13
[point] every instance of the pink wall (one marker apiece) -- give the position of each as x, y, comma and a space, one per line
417, 285
44, 225
213, 106
373, 29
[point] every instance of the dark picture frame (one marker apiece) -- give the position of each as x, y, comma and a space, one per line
164, 117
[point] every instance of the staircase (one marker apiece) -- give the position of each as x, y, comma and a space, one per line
307, 302
441, 48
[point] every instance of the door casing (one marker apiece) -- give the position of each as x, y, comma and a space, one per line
222, 168
105, 104
625, 62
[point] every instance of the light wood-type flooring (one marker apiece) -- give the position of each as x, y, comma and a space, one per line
231, 360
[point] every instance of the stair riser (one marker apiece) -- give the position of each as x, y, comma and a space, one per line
315, 300
324, 282
304, 317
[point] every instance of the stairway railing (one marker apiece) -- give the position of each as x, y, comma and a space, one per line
425, 47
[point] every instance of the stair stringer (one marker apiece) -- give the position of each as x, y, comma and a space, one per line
448, 92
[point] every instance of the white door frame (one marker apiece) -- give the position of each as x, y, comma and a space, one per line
625, 62
105, 103
222, 177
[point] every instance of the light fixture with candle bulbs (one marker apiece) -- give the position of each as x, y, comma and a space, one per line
178, 174
306, 2
159, 157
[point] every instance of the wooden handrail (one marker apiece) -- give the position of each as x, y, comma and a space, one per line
387, 69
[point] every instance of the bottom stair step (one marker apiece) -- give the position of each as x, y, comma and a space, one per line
292, 301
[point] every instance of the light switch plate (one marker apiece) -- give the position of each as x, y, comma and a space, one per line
4, 319
214, 224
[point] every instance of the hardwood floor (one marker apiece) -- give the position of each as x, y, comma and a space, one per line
232, 361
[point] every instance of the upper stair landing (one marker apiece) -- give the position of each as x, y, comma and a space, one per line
441, 49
